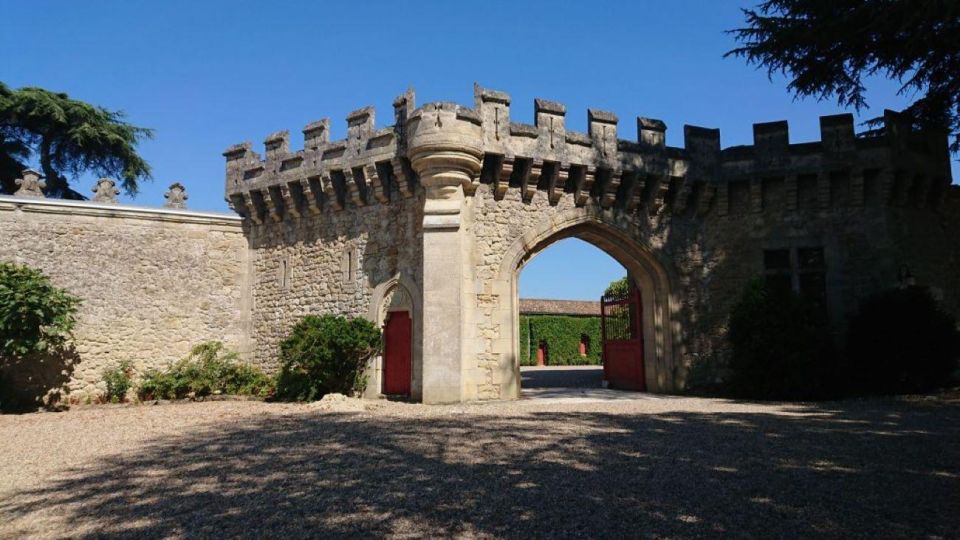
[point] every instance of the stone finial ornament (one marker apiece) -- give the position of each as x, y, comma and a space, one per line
176, 197
31, 184
105, 191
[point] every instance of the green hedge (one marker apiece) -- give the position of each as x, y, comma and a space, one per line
562, 334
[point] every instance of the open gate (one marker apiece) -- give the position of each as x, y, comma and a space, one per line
622, 328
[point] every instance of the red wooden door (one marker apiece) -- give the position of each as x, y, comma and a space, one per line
397, 365
622, 327
542, 354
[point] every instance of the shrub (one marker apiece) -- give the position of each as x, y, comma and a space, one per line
782, 347
35, 316
209, 369
326, 354
118, 379
900, 340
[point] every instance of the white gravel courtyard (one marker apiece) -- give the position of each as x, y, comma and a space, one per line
666, 467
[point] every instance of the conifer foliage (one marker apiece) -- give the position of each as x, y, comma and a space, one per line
828, 47
67, 137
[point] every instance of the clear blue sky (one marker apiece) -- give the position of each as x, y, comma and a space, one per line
209, 74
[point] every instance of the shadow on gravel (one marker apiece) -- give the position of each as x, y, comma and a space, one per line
559, 377
835, 470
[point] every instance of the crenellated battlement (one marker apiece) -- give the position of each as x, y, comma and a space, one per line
373, 166
361, 169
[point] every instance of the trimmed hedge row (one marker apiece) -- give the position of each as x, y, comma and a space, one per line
562, 335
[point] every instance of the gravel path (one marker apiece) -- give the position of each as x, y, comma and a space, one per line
667, 467
561, 377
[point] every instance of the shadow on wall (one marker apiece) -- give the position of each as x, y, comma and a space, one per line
889, 471
37, 380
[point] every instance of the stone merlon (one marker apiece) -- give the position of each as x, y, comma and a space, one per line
507, 147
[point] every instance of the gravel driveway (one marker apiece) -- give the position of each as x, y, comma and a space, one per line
649, 467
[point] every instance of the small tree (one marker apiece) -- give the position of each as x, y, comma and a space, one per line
782, 347
900, 340
35, 316
118, 379
618, 287
326, 354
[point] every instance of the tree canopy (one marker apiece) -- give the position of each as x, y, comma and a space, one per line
828, 47
618, 287
68, 137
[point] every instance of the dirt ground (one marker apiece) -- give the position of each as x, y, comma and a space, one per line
648, 467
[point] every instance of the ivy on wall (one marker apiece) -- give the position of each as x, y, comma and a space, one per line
562, 335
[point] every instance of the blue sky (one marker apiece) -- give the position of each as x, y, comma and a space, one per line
208, 74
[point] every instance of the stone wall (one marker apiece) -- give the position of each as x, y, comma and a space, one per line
154, 282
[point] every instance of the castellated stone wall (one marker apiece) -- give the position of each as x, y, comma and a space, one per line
455, 200
329, 263
154, 282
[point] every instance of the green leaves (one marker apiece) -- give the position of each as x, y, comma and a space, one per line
901, 340
209, 369
782, 346
35, 316
118, 380
326, 354
618, 287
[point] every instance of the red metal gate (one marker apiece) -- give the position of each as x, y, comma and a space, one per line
397, 365
622, 327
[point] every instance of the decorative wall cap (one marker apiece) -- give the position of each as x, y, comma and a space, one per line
31, 184
105, 191
277, 136
606, 117
359, 115
490, 96
552, 107
651, 123
176, 196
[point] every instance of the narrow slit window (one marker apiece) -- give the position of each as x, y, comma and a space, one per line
284, 274
349, 265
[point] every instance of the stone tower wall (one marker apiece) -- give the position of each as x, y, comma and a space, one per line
328, 263
691, 224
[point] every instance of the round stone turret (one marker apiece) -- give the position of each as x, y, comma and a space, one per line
444, 148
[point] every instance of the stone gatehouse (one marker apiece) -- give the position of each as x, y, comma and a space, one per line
424, 226
436, 216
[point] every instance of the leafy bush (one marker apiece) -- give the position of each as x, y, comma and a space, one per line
562, 334
119, 380
900, 340
618, 287
209, 369
782, 346
326, 354
35, 316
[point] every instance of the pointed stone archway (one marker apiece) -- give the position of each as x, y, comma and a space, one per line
617, 238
